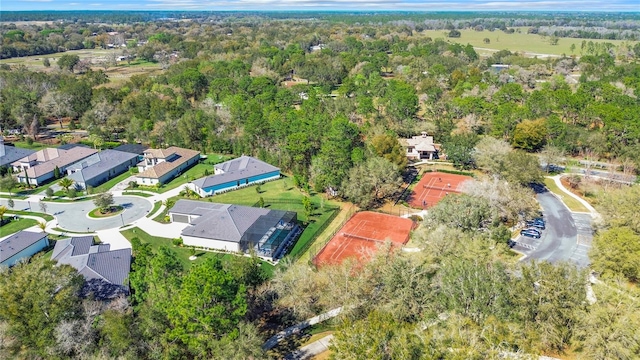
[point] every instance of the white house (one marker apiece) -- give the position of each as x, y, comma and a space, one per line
161, 165
420, 147
40, 166
21, 245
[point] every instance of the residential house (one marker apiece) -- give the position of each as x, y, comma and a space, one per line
236, 228
420, 147
9, 154
100, 167
161, 165
40, 166
22, 245
106, 270
235, 173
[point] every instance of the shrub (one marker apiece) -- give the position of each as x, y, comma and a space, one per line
177, 242
72, 193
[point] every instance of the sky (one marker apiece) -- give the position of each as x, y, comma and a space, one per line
350, 5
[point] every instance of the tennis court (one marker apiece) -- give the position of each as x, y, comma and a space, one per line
433, 187
362, 235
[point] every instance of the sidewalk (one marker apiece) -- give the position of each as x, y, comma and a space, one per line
594, 213
309, 351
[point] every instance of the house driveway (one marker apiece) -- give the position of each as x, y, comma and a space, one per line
73, 216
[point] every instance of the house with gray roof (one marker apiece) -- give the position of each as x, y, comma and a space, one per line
22, 245
236, 228
234, 174
9, 154
103, 268
100, 167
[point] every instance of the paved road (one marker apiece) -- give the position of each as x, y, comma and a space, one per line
567, 236
73, 216
309, 351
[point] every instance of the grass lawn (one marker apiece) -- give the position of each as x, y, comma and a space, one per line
36, 190
522, 41
111, 183
13, 226
34, 145
183, 253
20, 212
156, 206
282, 195
14, 196
195, 172
136, 193
572, 204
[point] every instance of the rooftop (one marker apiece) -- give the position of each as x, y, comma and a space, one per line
9, 154
132, 148
17, 242
49, 158
421, 142
165, 167
94, 261
99, 163
220, 221
233, 170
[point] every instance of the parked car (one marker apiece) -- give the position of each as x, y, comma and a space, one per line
539, 224
532, 233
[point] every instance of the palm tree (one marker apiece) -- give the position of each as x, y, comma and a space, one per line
42, 226
3, 210
66, 183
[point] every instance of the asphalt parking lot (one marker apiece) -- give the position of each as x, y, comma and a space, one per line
567, 236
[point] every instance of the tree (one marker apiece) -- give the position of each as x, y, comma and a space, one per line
511, 201
49, 192
43, 206
551, 155
46, 63
3, 210
486, 40
462, 212
530, 135
490, 154
454, 33
104, 201
10, 203
371, 182
34, 298
8, 183
388, 147
68, 61
56, 172
617, 250
522, 168
459, 150
66, 183
308, 206
57, 104
208, 307
42, 225
620, 208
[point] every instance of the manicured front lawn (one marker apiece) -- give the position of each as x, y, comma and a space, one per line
156, 206
13, 226
572, 204
183, 253
20, 212
111, 183
34, 145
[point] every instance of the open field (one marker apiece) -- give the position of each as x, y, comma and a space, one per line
121, 72
522, 42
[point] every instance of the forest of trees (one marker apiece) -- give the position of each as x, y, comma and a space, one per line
334, 125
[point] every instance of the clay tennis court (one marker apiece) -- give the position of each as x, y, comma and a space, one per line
361, 236
433, 187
